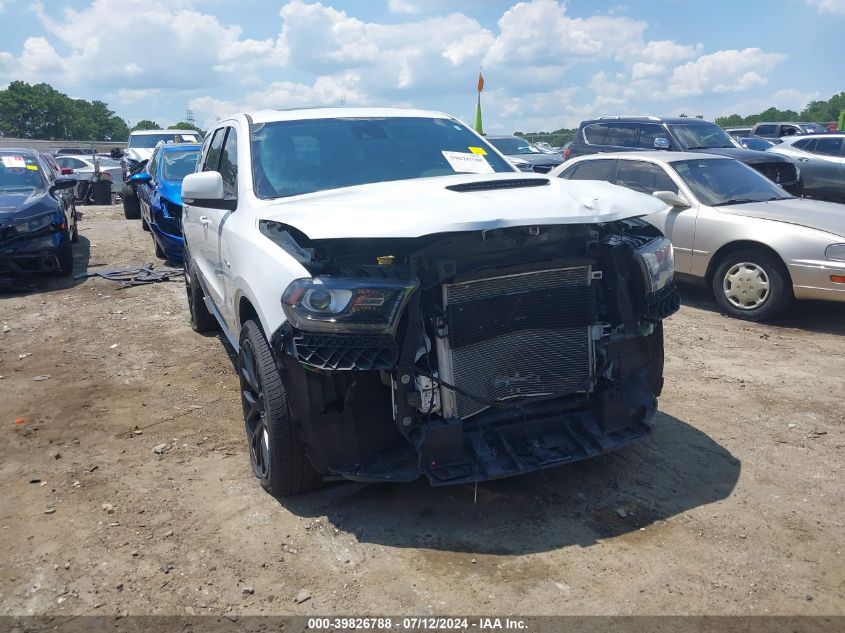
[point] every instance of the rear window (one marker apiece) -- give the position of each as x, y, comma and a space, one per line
177, 165
766, 130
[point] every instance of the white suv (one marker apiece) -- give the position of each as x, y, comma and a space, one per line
405, 303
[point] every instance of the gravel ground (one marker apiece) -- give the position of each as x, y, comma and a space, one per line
732, 506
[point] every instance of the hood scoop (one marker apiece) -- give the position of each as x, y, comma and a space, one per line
489, 185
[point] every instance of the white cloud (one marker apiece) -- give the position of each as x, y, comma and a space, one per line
828, 6
667, 51
643, 70
723, 71
402, 6
787, 99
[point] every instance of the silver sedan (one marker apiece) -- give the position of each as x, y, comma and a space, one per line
821, 159
755, 245
83, 168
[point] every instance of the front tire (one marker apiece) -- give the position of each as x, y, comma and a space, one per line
202, 321
65, 256
277, 454
131, 204
752, 285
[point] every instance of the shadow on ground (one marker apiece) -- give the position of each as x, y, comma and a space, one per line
675, 469
30, 284
826, 317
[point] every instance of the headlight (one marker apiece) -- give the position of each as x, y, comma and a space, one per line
327, 304
657, 260
835, 251
35, 224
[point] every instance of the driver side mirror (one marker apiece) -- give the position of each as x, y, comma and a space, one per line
63, 183
661, 142
672, 199
205, 189
141, 177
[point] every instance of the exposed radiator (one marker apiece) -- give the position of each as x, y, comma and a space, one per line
517, 336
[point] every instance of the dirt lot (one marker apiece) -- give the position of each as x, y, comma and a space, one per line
732, 506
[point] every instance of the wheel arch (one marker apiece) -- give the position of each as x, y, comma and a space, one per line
739, 245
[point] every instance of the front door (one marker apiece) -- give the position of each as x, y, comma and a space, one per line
676, 223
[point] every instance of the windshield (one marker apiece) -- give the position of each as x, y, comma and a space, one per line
149, 141
514, 146
177, 165
107, 162
701, 136
296, 157
716, 182
19, 172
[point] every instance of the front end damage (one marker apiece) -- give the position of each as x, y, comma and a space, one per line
474, 355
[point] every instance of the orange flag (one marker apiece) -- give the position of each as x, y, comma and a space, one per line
480, 81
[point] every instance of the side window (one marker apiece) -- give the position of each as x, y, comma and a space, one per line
789, 130
229, 164
828, 146
644, 177
766, 130
596, 134
212, 158
601, 169
807, 144
648, 133
623, 134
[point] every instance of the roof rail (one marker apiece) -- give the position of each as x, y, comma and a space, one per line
641, 117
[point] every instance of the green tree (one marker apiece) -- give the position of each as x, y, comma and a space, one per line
184, 125
146, 124
39, 111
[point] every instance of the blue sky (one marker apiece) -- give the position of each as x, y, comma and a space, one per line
547, 63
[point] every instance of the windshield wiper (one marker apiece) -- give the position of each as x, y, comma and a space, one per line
739, 201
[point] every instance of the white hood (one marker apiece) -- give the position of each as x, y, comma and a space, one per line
813, 214
139, 153
413, 208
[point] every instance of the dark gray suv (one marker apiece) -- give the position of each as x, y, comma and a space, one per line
619, 134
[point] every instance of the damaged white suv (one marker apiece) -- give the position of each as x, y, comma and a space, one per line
405, 303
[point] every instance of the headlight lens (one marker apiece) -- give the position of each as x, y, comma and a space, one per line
835, 251
35, 224
327, 304
657, 260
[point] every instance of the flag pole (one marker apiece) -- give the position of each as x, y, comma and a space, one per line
478, 126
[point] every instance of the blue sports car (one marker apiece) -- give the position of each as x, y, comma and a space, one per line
159, 188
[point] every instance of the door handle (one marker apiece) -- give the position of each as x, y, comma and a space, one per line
803, 160
204, 220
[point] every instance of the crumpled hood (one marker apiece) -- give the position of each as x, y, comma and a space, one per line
813, 214
22, 205
413, 208
748, 156
139, 153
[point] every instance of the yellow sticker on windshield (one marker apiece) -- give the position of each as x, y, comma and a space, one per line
477, 150
32, 167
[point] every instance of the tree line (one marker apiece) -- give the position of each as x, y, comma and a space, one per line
40, 112
815, 111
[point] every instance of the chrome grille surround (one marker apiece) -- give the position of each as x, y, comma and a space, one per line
525, 363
